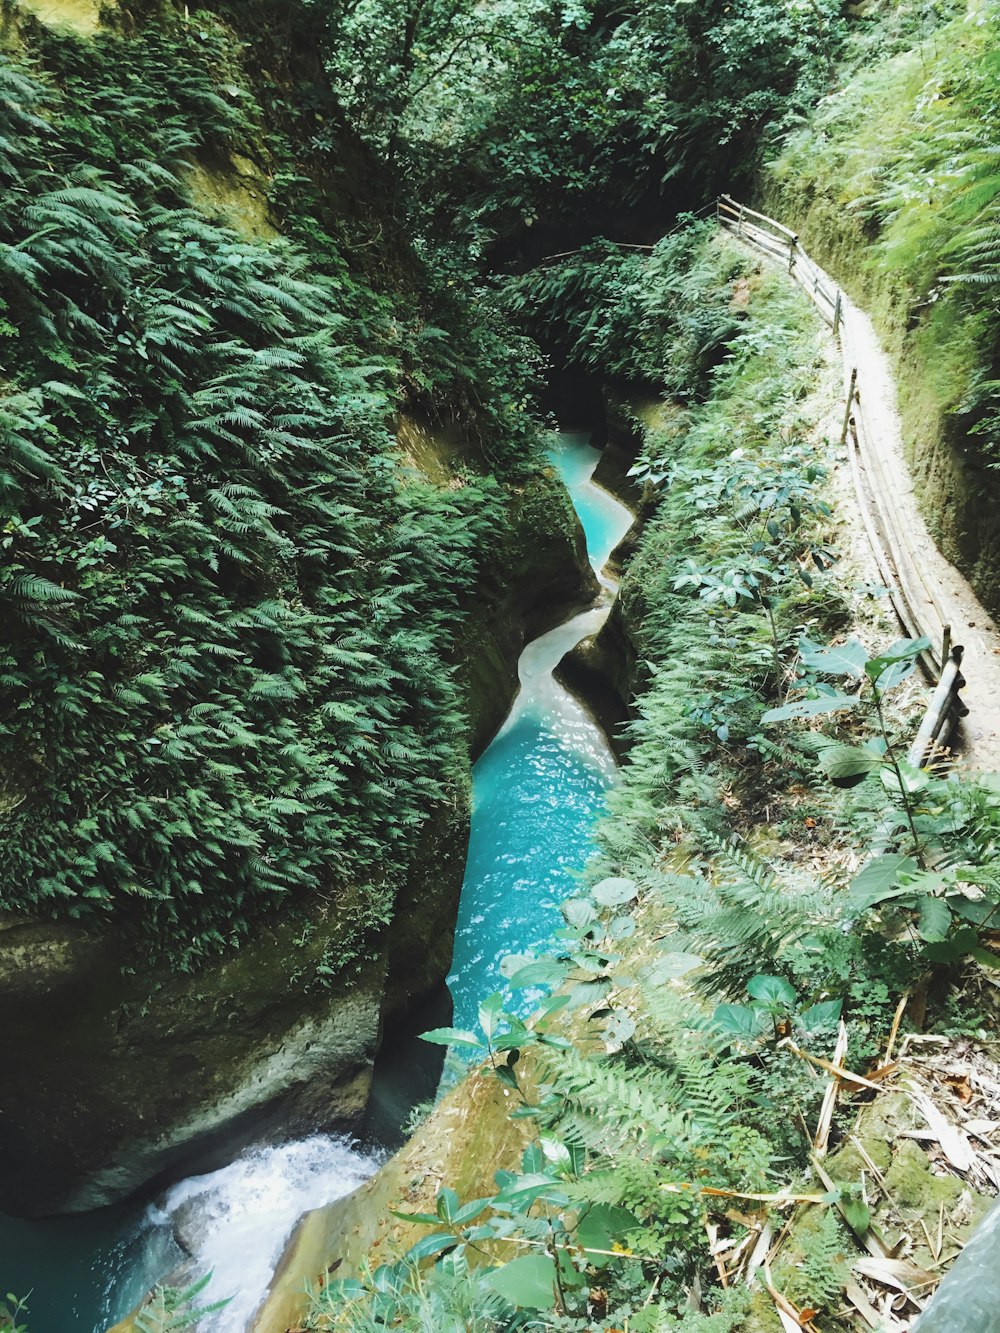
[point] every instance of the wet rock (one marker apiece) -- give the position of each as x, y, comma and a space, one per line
601, 670
538, 576
118, 1072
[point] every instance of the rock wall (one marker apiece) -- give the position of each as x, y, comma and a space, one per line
465, 1140
118, 1073
539, 575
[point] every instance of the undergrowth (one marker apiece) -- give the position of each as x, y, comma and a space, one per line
661, 1062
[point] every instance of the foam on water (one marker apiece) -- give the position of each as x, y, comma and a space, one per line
241, 1217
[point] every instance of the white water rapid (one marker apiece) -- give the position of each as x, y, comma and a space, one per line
235, 1222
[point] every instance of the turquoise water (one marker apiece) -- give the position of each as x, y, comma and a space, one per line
537, 791
83, 1273
539, 787
605, 521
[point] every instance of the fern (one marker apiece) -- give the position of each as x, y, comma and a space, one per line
742, 919
170, 1309
818, 1279
218, 584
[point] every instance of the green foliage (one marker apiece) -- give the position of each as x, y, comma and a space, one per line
818, 1280
456, 1298
521, 112
171, 1309
225, 674
11, 1314
899, 169
659, 1107
663, 319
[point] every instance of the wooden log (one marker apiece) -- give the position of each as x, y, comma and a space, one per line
850, 404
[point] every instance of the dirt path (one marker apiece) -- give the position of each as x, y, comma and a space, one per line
937, 591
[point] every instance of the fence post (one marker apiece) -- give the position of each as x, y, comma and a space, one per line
945, 698
850, 403
837, 310
739, 224
792, 243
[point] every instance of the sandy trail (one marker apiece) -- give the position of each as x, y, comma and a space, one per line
948, 597
938, 593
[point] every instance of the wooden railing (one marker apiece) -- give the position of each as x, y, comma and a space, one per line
770, 235
914, 597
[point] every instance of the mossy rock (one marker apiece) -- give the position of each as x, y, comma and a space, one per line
463, 1142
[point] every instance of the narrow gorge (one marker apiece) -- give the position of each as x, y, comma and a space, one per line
471, 855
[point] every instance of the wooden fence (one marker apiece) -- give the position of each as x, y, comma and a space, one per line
913, 596
778, 240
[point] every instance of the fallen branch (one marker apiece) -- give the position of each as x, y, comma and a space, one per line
894, 1030
821, 1139
872, 1240
844, 1074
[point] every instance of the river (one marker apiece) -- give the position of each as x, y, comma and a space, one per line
537, 790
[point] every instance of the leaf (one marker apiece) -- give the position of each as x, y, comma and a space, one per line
600, 1227
452, 1037
934, 921
856, 1214
827, 703
621, 927
671, 966
490, 1013
846, 764
447, 1204
975, 911
821, 1016
426, 1219
839, 659
557, 1153
589, 992
959, 943
512, 963
618, 1029
775, 992
578, 911
430, 1246
541, 972
505, 1075
879, 880
518, 1036
522, 1191
737, 1020
914, 779
470, 1211
34, 588
891, 668
615, 892
528, 1282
